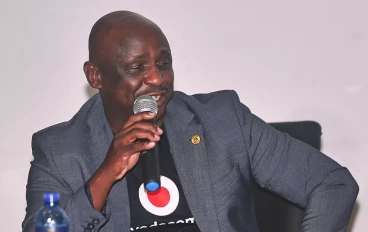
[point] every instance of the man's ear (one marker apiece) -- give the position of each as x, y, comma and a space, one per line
93, 75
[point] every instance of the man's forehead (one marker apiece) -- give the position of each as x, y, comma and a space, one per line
125, 33
132, 39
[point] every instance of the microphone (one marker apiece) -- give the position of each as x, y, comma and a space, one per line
148, 158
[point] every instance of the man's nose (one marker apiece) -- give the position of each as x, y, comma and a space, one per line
153, 77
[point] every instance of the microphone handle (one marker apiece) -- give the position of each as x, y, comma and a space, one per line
150, 167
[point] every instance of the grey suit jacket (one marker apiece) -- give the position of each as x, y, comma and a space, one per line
217, 174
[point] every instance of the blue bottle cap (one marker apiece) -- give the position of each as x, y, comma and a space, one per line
152, 186
51, 197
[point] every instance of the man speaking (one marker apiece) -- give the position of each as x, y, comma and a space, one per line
211, 150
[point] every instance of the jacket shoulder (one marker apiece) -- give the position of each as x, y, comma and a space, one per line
76, 125
217, 98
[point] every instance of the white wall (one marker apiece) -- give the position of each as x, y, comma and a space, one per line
288, 60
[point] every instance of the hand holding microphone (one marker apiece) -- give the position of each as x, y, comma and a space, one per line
124, 151
123, 154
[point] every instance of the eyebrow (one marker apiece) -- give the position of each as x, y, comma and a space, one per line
165, 52
142, 56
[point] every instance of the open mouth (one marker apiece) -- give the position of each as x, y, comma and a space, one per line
161, 96
156, 97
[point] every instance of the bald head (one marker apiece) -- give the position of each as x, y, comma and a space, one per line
115, 27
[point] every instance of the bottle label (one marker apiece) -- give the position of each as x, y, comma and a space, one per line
55, 229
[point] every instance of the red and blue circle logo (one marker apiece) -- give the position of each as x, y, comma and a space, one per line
163, 201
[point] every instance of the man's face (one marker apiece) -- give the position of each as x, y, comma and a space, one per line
139, 63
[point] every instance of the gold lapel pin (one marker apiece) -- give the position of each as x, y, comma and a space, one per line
195, 139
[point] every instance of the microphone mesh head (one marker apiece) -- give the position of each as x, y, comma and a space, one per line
145, 104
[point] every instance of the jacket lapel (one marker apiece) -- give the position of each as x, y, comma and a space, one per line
191, 162
99, 139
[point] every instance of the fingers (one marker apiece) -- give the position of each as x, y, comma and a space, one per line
137, 134
143, 125
135, 129
138, 118
136, 148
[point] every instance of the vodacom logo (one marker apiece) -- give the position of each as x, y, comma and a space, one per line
163, 201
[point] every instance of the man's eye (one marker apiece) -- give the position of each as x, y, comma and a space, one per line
163, 62
136, 68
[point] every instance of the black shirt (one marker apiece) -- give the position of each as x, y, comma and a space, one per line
165, 209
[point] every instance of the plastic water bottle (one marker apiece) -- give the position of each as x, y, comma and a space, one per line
51, 217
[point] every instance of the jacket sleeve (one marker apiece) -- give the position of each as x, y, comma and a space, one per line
299, 173
44, 177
